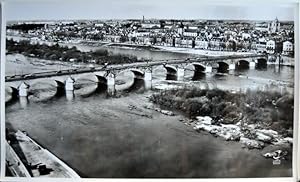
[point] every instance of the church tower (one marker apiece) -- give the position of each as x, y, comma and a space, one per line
274, 26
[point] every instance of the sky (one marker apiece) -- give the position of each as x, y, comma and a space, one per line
136, 9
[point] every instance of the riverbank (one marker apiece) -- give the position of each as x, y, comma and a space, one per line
133, 46
38, 161
65, 54
202, 51
191, 51
94, 45
125, 45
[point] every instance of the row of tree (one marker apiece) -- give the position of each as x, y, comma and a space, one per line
26, 27
66, 54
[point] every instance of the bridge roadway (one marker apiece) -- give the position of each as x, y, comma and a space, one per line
206, 59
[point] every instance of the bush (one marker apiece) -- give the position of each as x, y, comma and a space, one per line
56, 51
253, 107
100, 52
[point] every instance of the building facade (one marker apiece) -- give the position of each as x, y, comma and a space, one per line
270, 47
287, 48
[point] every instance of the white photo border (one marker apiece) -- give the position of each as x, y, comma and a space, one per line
296, 129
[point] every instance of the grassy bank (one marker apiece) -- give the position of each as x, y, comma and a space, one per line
66, 54
270, 110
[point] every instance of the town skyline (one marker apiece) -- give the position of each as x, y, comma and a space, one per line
150, 19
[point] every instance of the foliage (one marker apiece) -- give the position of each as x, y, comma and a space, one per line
26, 27
64, 53
269, 109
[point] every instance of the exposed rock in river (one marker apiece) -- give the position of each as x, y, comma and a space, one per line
249, 135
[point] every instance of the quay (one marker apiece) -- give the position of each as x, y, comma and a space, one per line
26, 158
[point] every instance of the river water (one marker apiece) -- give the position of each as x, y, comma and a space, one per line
102, 136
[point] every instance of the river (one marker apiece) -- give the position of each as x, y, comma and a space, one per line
101, 136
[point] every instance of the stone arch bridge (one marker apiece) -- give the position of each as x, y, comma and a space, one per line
64, 79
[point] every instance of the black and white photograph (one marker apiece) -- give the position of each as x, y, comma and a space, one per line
2, 103
149, 89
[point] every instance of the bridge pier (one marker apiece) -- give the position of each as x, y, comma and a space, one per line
252, 65
70, 95
232, 66
180, 73
111, 79
23, 101
111, 90
148, 79
111, 83
208, 69
148, 76
69, 86
23, 89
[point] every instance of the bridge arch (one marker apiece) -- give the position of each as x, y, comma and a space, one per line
133, 82
171, 70
86, 76
128, 79
137, 73
11, 93
262, 63
195, 70
223, 67
60, 87
102, 83
242, 64
85, 84
172, 73
197, 66
59, 82
159, 72
41, 90
101, 79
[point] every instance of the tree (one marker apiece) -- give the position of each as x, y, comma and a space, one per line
123, 38
241, 45
162, 23
133, 39
231, 45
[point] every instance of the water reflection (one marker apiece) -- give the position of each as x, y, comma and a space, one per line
171, 77
70, 95
148, 84
277, 69
23, 102
111, 90
199, 76
242, 65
